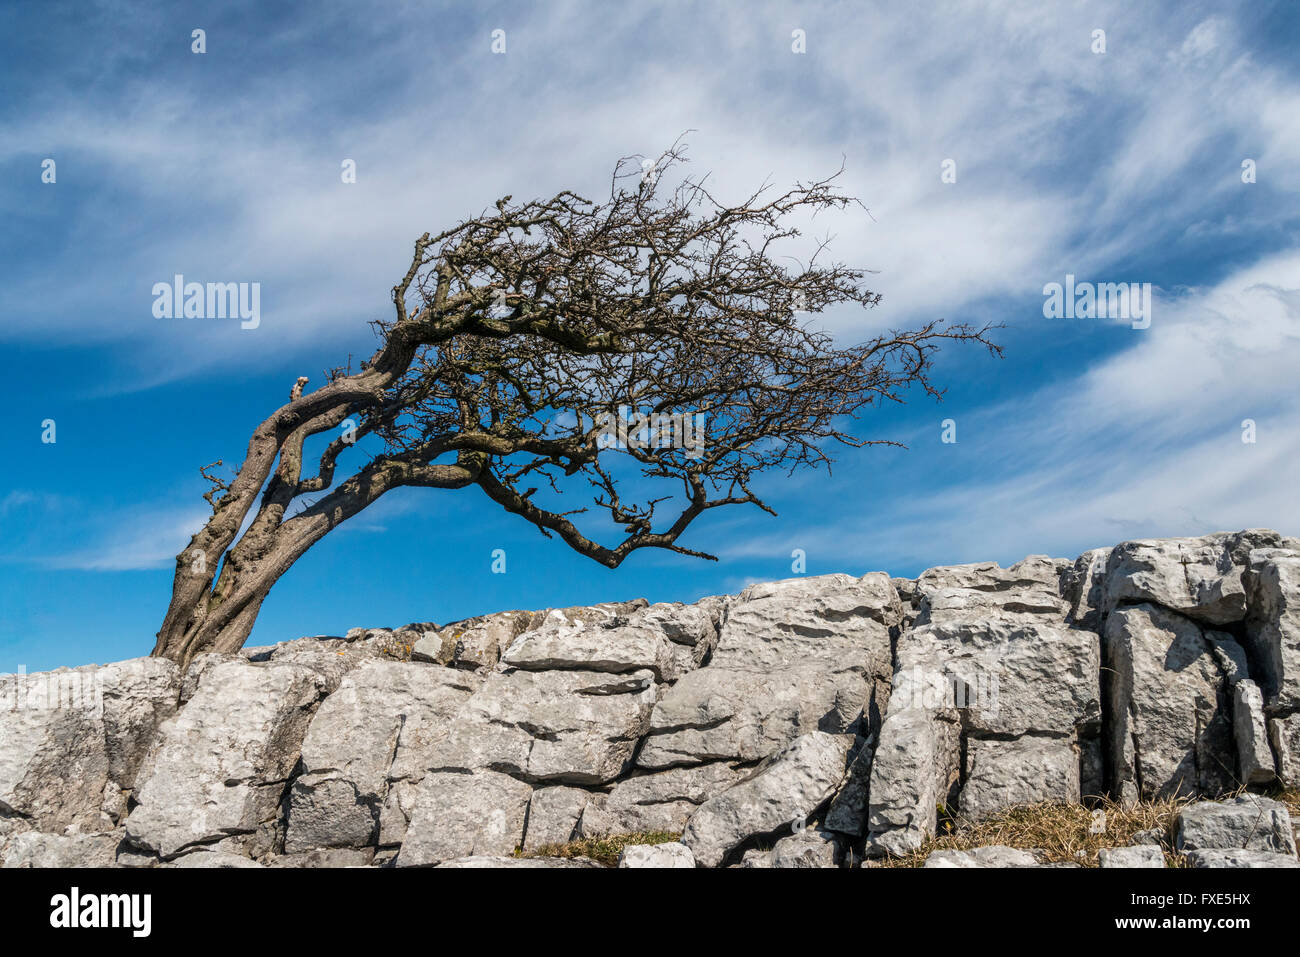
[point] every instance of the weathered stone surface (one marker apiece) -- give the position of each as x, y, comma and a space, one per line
1250, 732
553, 816
1273, 627
795, 656
1247, 822
915, 767
660, 802
139, 695
1200, 578
217, 860
475, 643
809, 848
835, 619
788, 787
617, 644
1083, 587
1240, 859
219, 767
465, 815
34, 849
382, 709
72, 739
534, 863
1028, 590
328, 857
1171, 727
672, 854
1011, 675
724, 714
994, 855
562, 727
1284, 736
1024, 770
1141, 855
847, 813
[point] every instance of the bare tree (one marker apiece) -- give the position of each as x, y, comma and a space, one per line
519, 338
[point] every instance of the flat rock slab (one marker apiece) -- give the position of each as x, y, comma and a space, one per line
553, 727
657, 855
1247, 822
1142, 855
994, 855
1240, 858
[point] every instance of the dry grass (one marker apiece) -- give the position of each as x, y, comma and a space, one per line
1062, 832
603, 849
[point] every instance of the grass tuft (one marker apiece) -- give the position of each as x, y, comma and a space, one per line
1064, 833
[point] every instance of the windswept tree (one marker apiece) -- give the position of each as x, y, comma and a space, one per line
521, 339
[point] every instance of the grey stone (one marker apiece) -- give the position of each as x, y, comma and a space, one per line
661, 802
1024, 770
214, 860
994, 855
1247, 822
219, 767
535, 863
1250, 731
465, 815
1240, 859
1273, 627
1171, 727
809, 848
557, 727
36, 850
1141, 855
475, 643
657, 855
383, 709
553, 816
789, 787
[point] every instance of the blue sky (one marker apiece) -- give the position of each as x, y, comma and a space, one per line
1117, 167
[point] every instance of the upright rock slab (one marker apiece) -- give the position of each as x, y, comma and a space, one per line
1171, 716
219, 768
789, 787
381, 709
465, 815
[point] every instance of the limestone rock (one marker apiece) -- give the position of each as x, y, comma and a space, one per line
381, 710
475, 643
1273, 627
34, 849
465, 815
219, 767
994, 855
1247, 822
1024, 770
1284, 736
1141, 855
1240, 859
1250, 731
1200, 578
1171, 727
553, 816
656, 855
809, 848
660, 802
557, 727
217, 860
787, 788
